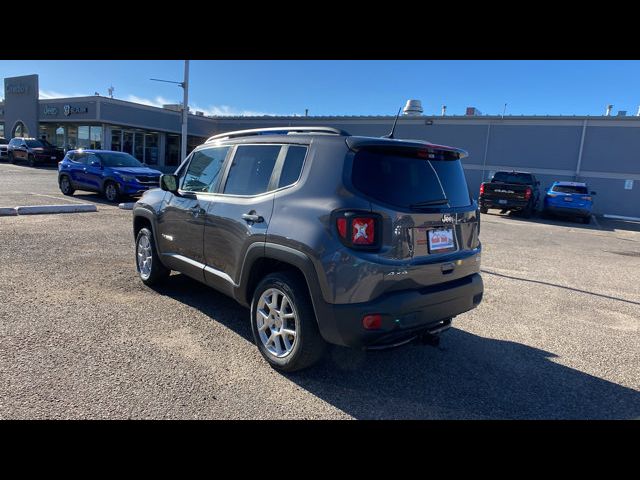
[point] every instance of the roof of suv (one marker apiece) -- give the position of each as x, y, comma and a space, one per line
329, 133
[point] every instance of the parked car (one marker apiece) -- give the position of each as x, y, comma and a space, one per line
510, 191
569, 199
114, 174
33, 151
325, 237
4, 149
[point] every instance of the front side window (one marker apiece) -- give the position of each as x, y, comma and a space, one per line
34, 144
205, 169
251, 169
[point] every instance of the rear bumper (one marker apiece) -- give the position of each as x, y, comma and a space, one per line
573, 212
509, 203
403, 313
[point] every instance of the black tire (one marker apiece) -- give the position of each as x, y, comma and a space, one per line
111, 191
66, 187
586, 220
308, 346
158, 272
31, 160
484, 209
528, 211
11, 158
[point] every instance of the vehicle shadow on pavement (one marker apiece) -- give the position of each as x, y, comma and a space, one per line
467, 377
217, 306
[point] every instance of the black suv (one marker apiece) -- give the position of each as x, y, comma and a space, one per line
326, 237
33, 151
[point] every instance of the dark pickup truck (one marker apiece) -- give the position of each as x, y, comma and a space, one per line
510, 191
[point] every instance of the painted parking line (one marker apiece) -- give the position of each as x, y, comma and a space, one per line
57, 198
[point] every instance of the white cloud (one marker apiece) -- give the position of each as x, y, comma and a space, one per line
226, 110
46, 94
156, 102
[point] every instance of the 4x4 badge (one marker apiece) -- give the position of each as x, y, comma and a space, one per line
446, 218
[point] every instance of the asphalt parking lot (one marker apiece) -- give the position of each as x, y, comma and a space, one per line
556, 337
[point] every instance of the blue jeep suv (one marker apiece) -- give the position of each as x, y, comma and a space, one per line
114, 174
570, 199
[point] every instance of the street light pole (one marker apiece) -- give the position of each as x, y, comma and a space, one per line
185, 109
185, 106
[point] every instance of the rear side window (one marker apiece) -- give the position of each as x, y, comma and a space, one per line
251, 169
513, 177
204, 169
410, 182
569, 189
292, 166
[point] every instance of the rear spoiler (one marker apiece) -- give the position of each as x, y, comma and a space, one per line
419, 148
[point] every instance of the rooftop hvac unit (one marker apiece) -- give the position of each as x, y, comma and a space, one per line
472, 111
199, 113
622, 113
413, 107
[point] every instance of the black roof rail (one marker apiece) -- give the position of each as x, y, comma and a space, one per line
279, 130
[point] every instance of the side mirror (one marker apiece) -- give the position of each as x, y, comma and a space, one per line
169, 183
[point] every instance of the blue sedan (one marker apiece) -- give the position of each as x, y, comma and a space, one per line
571, 199
114, 174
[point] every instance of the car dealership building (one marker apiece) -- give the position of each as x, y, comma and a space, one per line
600, 150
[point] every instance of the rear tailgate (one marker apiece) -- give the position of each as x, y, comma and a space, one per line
508, 191
430, 222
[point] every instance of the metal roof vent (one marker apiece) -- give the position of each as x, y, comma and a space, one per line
413, 107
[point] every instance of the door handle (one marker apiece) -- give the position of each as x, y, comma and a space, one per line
252, 218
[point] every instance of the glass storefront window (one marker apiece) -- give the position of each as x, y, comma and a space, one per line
138, 146
193, 142
95, 137
59, 137
116, 140
172, 151
72, 137
151, 148
83, 136
2, 130
127, 142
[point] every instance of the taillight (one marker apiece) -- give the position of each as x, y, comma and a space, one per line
358, 230
527, 194
482, 189
363, 231
587, 198
342, 227
372, 322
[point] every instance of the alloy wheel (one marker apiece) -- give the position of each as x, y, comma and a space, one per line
144, 256
277, 322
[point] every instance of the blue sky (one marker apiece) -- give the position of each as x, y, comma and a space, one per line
352, 87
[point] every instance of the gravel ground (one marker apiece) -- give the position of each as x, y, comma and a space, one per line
557, 334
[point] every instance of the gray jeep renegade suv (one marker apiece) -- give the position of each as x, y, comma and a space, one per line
326, 237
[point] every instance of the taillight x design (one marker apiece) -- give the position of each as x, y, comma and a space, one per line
358, 230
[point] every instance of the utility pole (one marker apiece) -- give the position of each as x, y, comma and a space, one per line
185, 109
185, 106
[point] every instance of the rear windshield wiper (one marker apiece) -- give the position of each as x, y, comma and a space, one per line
429, 203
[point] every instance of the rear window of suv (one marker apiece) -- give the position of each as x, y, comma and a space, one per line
410, 182
569, 189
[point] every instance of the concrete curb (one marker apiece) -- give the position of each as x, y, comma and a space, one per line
8, 211
126, 206
42, 209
